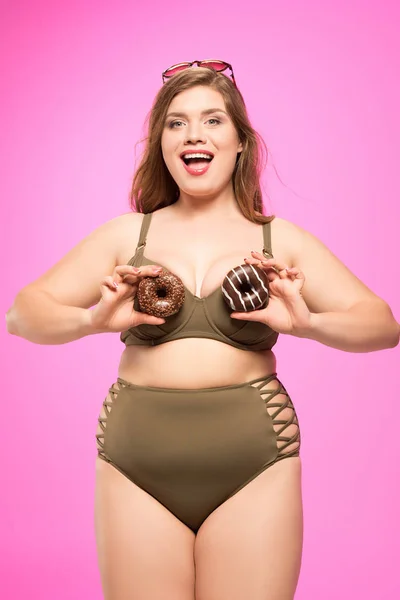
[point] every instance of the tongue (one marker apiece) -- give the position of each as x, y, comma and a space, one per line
198, 163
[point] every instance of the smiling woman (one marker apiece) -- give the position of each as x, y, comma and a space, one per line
210, 101
217, 138
198, 473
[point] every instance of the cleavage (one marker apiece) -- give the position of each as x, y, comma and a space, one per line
201, 295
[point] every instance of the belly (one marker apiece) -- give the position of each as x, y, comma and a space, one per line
193, 363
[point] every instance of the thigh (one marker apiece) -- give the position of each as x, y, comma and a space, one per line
251, 546
144, 551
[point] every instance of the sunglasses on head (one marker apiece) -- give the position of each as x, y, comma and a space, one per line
216, 65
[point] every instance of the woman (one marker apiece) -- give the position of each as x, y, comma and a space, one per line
198, 474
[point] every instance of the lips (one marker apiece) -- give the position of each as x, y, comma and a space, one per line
195, 169
199, 166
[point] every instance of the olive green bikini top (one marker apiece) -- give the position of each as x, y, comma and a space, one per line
207, 317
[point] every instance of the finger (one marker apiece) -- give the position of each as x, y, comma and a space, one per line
298, 278
273, 262
150, 270
262, 257
263, 265
109, 287
109, 282
258, 254
253, 315
129, 274
279, 268
252, 261
123, 270
296, 273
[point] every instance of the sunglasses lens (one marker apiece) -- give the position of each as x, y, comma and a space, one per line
216, 65
175, 69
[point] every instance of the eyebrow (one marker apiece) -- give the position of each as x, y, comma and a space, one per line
204, 112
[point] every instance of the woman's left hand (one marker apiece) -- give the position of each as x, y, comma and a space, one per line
286, 311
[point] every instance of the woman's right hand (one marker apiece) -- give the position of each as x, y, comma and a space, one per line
115, 311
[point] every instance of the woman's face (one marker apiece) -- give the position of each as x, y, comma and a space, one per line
194, 129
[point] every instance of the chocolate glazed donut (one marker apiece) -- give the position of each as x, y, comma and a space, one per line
161, 296
246, 288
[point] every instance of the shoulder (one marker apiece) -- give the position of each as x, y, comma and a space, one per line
116, 225
127, 223
130, 219
285, 226
126, 228
287, 239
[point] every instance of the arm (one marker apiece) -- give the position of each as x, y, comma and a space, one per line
39, 318
346, 314
55, 309
365, 327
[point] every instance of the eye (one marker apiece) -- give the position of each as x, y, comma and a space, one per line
173, 123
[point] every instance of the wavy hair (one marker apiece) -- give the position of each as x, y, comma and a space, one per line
153, 187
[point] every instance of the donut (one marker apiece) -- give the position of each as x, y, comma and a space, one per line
161, 296
246, 288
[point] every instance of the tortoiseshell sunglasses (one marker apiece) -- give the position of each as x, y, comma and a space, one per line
216, 65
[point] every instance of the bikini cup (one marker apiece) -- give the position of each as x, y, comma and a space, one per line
206, 317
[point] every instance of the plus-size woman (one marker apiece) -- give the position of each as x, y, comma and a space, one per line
198, 473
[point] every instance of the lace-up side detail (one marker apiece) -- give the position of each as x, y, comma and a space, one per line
104, 414
278, 403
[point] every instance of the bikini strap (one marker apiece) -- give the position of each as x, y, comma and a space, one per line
136, 260
267, 250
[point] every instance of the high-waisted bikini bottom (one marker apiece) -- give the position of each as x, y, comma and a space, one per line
192, 449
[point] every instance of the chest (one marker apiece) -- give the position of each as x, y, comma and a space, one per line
200, 255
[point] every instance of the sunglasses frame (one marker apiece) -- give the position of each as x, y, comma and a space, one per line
200, 63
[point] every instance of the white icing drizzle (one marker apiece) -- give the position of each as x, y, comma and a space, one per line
253, 289
237, 291
260, 280
252, 303
229, 298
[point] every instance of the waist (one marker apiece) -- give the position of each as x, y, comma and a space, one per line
191, 363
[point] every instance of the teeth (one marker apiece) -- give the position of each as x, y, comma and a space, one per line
197, 155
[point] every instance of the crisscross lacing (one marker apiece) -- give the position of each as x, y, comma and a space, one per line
102, 419
271, 388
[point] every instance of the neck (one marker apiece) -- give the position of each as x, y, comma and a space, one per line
223, 205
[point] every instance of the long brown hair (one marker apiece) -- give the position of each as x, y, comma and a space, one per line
153, 186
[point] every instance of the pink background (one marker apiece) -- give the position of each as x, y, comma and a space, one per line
320, 80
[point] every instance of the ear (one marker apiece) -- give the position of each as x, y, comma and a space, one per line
240, 147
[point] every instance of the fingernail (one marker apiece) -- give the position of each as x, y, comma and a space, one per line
157, 270
115, 284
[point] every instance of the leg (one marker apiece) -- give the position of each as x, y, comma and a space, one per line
144, 552
250, 546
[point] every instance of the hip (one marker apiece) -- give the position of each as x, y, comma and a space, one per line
136, 419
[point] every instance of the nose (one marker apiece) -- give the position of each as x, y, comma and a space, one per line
194, 133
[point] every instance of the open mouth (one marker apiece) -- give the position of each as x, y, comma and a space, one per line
198, 161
